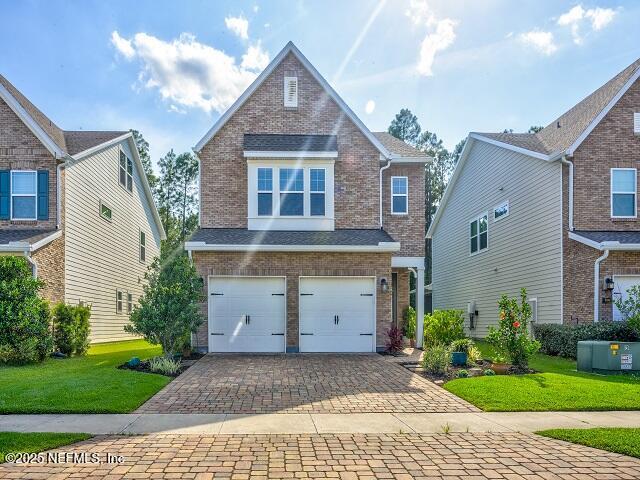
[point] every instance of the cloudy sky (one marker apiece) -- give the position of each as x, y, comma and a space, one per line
169, 69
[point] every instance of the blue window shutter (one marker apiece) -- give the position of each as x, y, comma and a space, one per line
5, 194
43, 195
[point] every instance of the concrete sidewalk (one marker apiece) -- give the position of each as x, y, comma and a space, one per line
184, 424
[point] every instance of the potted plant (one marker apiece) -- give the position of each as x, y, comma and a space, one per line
499, 364
410, 325
460, 351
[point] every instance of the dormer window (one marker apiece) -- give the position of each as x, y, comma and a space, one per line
291, 92
126, 172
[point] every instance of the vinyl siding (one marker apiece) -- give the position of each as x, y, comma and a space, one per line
524, 248
103, 256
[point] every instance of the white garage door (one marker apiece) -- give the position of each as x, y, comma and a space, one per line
337, 314
246, 314
622, 283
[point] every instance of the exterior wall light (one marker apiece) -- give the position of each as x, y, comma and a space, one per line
384, 285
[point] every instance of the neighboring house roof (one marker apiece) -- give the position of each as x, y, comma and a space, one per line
291, 48
241, 238
25, 240
561, 137
611, 240
81, 140
397, 147
290, 143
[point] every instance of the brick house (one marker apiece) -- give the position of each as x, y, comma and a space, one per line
77, 205
310, 224
553, 211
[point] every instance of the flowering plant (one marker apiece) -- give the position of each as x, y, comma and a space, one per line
512, 339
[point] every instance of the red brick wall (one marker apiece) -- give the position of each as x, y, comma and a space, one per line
50, 262
224, 169
409, 229
294, 265
21, 150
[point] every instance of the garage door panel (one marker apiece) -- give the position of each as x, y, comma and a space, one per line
246, 314
347, 344
622, 283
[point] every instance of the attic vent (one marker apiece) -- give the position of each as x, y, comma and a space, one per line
636, 123
290, 91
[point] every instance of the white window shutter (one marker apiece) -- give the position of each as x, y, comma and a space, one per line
290, 91
636, 123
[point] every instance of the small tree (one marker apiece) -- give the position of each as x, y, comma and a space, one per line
25, 334
511, 339
71, 328
168, 311
630, 308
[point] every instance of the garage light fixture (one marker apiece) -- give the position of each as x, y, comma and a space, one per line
384, 285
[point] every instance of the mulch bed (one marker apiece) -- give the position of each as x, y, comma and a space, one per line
473, 370
143, 366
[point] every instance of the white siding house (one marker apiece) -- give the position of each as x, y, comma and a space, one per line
102, 255
523, 245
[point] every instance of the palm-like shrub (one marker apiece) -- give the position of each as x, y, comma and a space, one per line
443, 327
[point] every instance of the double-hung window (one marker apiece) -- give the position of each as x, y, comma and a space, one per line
624, 187
317, 191
399, 195
118, 301
24, 190
129, 302
291, 192
126, 172
478, 234
143, 246
265, 191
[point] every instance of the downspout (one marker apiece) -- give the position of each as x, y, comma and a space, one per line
382, 170
34, 266
570, 164
58, 193
596, 285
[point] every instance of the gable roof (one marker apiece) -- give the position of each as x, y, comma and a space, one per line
291, 48
397, 147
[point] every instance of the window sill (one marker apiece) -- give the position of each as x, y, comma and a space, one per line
400, 214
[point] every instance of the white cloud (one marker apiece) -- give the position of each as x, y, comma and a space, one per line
255, 58
238, 25
578, 15
256, 8
191, 74
440, 34
541, 41
370, 107
122, 45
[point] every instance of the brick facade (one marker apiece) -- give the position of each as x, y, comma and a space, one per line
294, 265
611, 144
402, 293
50, 262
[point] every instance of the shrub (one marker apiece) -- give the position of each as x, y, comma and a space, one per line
462, 345
164, 365
168, 311
443, 327
463, 374
25, 334
436, 359
71, 328
630, 308
394, 340
489, 373
562, 340
410, 322
511, 339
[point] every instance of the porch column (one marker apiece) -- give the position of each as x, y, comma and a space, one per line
419, 306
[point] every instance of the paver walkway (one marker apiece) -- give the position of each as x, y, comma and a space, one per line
305, 383
399, 456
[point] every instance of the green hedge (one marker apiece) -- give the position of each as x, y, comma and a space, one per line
71, 328
562, 340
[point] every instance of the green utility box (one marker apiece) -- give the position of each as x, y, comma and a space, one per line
608, 357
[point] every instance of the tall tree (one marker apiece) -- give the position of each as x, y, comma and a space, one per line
405, 127
145, 158
166, 191
535, 128
457, 151
186, 195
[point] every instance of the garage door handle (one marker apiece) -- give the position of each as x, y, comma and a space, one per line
306, 334
366, 294
305, 294
214, 293
217, 333
367, 334
278, 294
277, 334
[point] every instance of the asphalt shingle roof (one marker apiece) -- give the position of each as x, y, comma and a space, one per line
527, 141
611, 236
241, 236
70, 141
30, 235
290, 143
397, 146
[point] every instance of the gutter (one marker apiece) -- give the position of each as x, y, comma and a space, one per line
382, 170
570, 163
58, 194
596, 285
204, 247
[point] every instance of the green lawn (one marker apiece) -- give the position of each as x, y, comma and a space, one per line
619, 440
89, 384
12, 442
558, 387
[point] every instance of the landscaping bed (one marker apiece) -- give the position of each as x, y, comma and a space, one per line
144, 366
625, 441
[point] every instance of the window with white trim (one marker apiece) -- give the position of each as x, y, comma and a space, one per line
143, 246
265, 191
291, 192
624, 186
399, 195
479, 234
129, 302
501, 211
291, 92
317, 191
118, 301
24, 190
126, 172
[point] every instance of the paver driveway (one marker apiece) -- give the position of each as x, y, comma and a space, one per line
303, 383
399, 456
